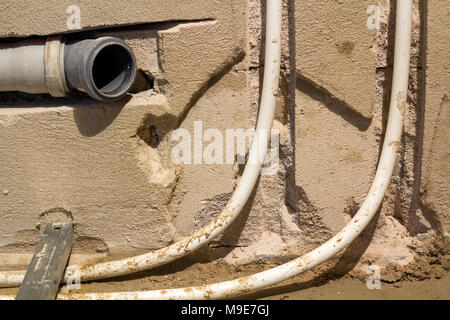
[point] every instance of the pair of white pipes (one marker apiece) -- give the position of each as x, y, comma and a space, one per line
248, 180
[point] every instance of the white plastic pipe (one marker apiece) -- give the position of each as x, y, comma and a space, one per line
351, 231
34, 66
348, 233
240, 196
23, 69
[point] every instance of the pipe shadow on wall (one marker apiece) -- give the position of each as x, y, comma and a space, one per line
94, 117
91, 117
335, 105
415, 226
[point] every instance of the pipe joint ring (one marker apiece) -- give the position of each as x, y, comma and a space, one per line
55, 78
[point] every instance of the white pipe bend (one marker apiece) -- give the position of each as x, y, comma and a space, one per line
236, 203
350, 231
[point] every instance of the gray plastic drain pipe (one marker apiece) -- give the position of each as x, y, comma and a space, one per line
104, 68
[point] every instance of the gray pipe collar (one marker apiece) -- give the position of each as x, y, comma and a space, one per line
55, 78
104, 68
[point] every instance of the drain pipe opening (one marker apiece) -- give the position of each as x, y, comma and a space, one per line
104, 68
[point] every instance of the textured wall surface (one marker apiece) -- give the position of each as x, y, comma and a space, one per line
107, 166
336, 51
27, 17
435, 191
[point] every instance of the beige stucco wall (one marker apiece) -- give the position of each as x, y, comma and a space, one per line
96, 164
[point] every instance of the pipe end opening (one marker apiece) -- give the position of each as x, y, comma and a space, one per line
113, 71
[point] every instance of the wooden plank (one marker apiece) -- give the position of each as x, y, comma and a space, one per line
49, 261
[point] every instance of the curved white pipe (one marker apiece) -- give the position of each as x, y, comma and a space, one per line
348, 233
240, 196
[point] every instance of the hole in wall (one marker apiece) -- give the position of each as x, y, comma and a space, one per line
142, 82
149, 133
154, 129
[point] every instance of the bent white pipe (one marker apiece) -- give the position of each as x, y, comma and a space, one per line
23, 67
238, 200
350, 231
